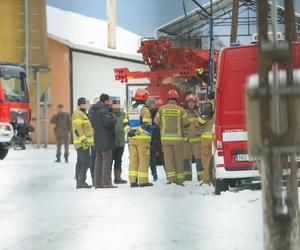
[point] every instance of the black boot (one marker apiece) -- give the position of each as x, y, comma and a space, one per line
154, 177
133, 185
66, 159
57, 159
146, 184
83, 185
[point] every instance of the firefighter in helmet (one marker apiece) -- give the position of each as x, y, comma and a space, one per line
137, 125
172, 120
192, 143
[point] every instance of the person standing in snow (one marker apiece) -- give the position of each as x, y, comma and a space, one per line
138, 126
155, 144
83, 139
119, 142
103, 122
192, 143
172, 120
62, 130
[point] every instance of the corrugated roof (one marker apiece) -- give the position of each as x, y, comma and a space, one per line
197, 21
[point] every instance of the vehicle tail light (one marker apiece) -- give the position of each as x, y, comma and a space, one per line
219, 137
4, 114
220, 153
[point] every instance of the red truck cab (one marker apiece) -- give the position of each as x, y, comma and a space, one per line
230, 160
14, 108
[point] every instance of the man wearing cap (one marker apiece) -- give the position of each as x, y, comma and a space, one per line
83, 139
63, 126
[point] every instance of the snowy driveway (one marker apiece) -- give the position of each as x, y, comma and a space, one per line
41, 209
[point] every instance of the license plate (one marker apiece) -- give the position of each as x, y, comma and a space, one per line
20, 120
244, 157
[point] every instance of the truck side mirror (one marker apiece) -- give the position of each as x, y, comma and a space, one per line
207, 110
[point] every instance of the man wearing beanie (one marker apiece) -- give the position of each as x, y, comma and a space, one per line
82, 139
103, 122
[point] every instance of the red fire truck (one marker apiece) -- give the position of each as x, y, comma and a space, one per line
15, 112
230, 161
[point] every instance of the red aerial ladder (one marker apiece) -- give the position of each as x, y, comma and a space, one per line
189, 67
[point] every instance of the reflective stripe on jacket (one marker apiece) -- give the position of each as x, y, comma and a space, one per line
139, 118
172, 120
195, 130
82, 129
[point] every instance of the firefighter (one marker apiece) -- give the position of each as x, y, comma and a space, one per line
172, 120
83, 140
206, 140
137, 125
192, 143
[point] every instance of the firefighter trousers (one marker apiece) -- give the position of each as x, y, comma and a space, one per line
139, 156
206, 157
82, 165
173, 162
191, 149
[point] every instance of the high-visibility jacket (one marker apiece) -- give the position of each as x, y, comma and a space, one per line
82, 129
172, 120
196, 129
138, 118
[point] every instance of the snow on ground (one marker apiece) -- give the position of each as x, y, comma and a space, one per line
41, 209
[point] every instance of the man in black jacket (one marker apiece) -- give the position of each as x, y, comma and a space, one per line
103, 123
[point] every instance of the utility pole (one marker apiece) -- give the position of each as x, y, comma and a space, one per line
234, 21
26, 38
273, 132
111, 23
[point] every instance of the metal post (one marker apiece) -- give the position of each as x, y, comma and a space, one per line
46, 118
211, 59
234, 22
38, 114
280, 203
26, 33
111, 23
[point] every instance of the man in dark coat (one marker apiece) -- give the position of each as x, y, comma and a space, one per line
103, 122
156, 155
63, 127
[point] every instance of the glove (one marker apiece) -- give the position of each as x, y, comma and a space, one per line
85, 145
131, 132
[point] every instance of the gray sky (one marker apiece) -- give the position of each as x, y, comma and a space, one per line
139, 16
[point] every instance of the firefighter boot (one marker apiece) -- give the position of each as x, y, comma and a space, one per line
118, 179
199, 169
187, 170
146, 184
81, 184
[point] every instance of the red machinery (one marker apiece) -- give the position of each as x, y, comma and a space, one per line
187, 66
15, 112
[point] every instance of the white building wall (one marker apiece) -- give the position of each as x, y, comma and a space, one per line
93, 75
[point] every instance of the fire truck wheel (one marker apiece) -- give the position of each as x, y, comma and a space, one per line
221, 185
3, 152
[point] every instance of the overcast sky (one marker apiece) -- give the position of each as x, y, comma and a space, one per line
139, 16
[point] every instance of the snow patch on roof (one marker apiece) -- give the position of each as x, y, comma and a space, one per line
80, 31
